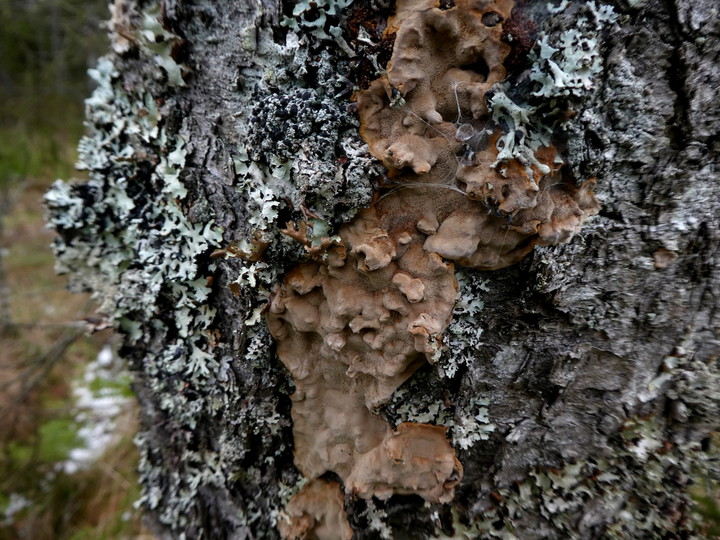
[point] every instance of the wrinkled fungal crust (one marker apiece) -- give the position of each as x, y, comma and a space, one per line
351, 330
317, 512
354, 324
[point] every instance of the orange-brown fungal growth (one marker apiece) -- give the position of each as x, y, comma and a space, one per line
427, 121
351, 330
317, 512
443, 62
353, 325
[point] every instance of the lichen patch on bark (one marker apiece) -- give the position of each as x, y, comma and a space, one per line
356, 323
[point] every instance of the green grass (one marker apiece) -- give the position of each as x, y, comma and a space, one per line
53, 443
40, 147
96, 502
708, 508
120, 387
56, 438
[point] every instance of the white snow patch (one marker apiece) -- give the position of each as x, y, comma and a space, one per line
16, 504
98, 410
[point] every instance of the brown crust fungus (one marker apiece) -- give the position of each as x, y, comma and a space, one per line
426, 120
318, 512
359, 320
351, 330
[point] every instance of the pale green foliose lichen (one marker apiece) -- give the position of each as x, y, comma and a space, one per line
463, 335
302, 157
133, 247
377, 520
134, 261
125, 236
467, 423
158, 43
631, 486
564, 70
471, 423
315, 17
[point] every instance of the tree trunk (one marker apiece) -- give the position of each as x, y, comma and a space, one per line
580, 385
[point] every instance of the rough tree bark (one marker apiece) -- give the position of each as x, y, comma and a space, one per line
581, 385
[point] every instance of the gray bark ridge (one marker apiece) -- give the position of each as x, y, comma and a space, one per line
580, 385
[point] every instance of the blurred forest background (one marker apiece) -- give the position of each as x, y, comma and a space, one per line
67, 462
